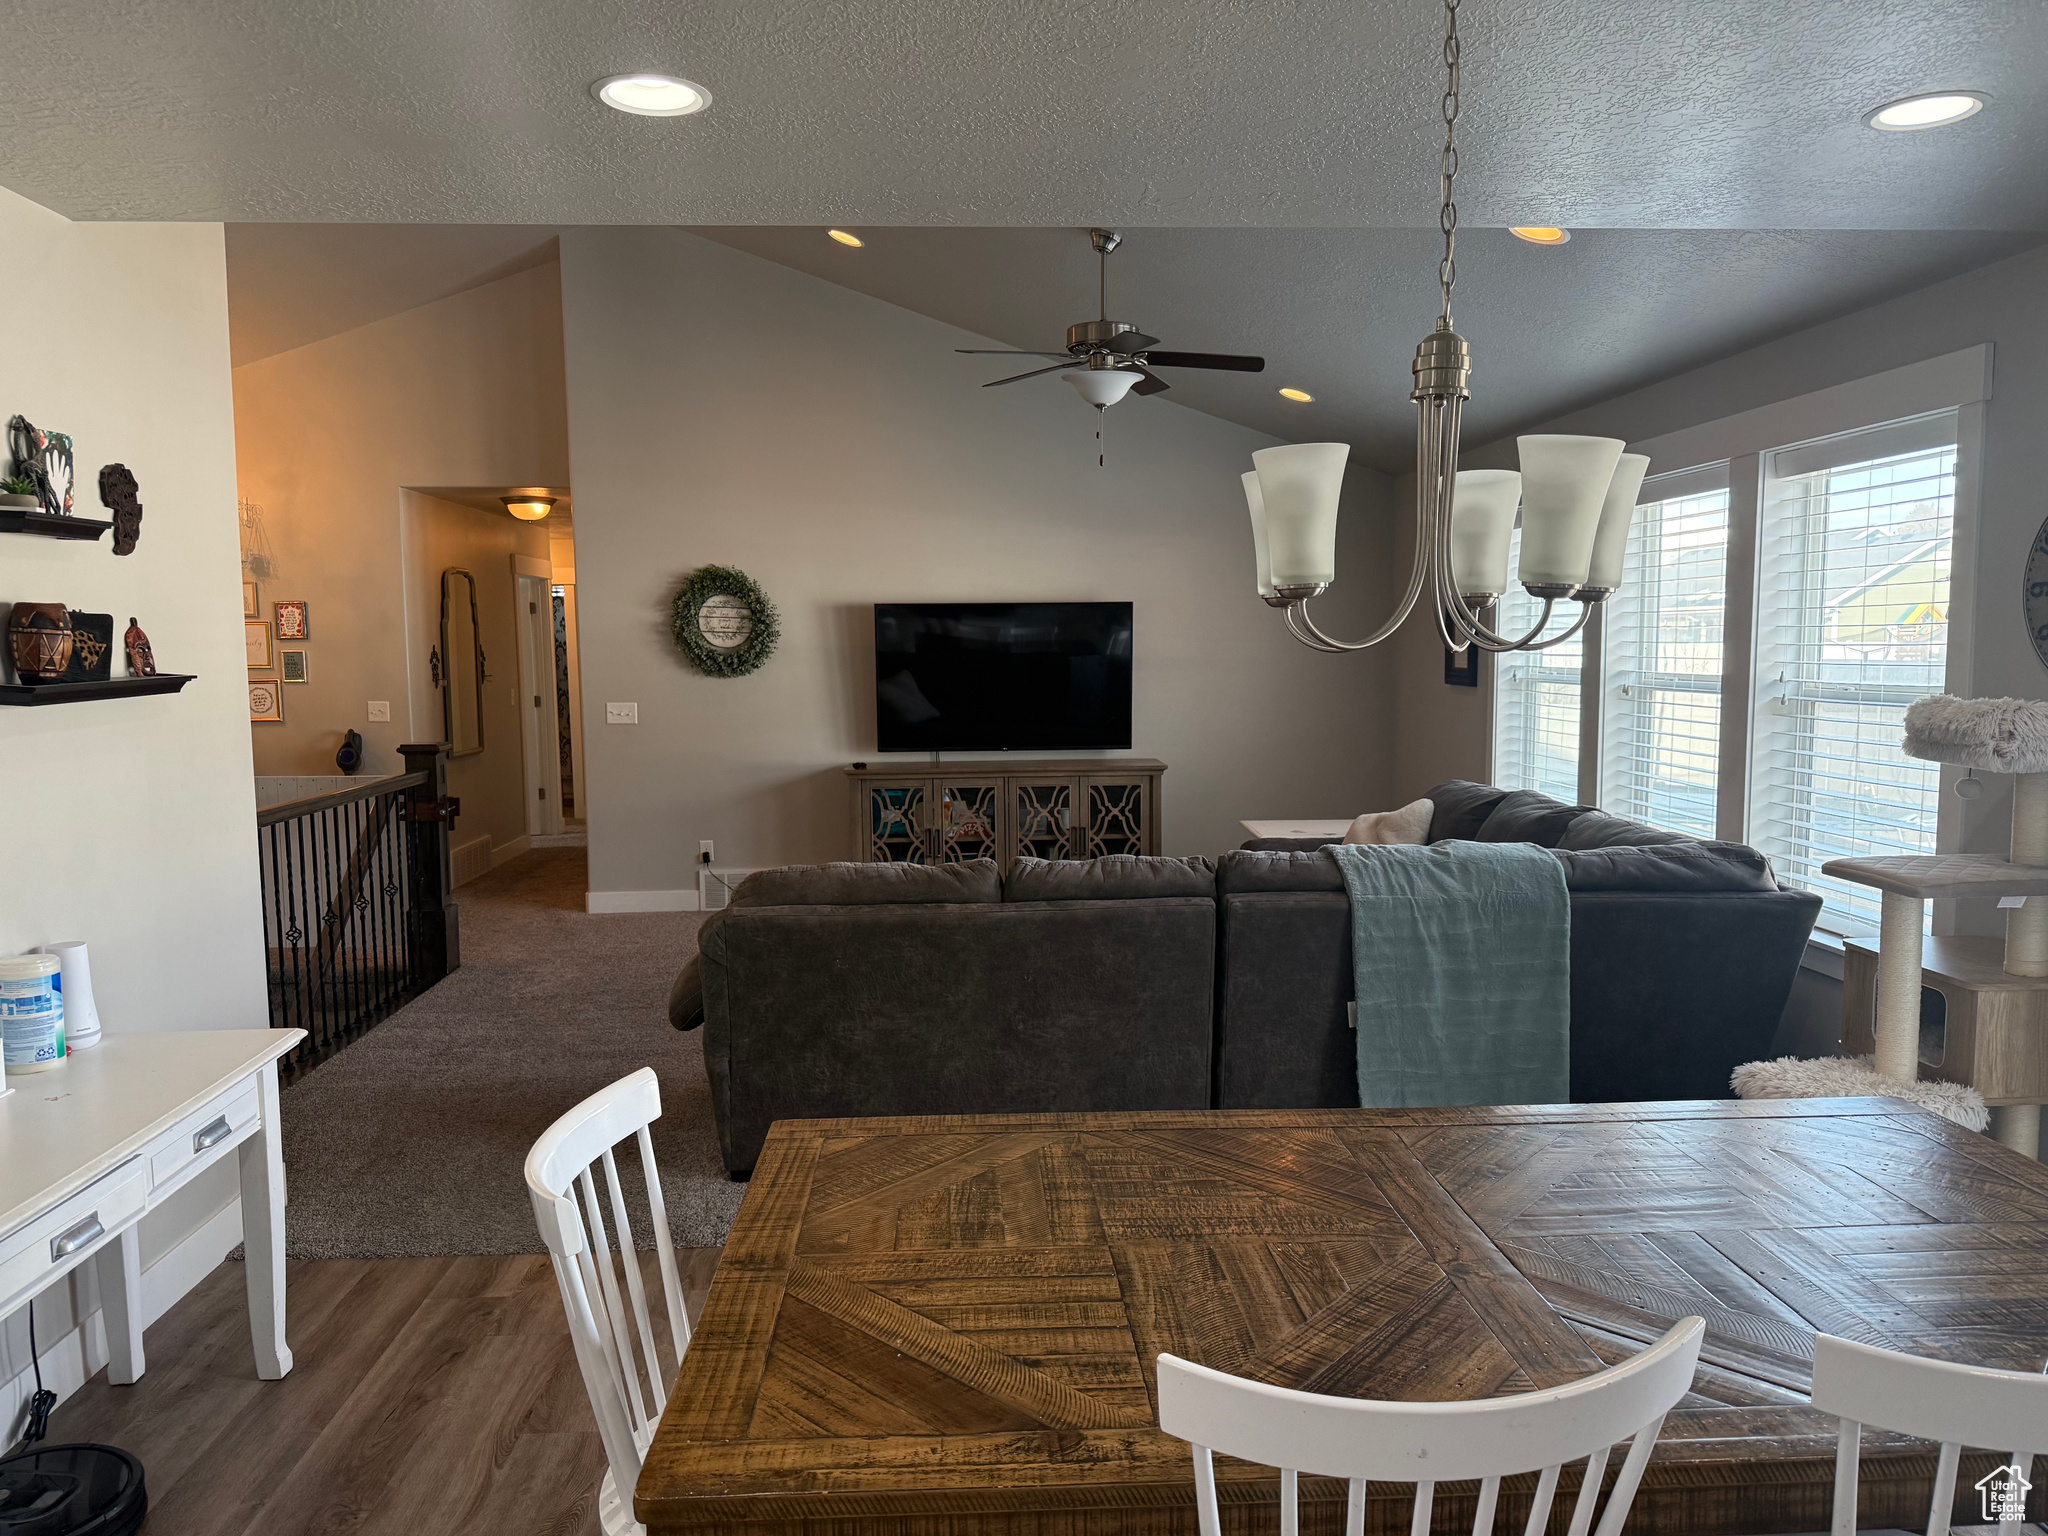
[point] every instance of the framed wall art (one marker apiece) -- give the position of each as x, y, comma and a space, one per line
250, 608
291, 621
292, 666
266, 702
256, 641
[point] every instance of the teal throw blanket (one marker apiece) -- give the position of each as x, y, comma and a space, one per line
1461, 954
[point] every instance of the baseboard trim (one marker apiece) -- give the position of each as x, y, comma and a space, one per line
75, 1357
641, 901
506, 853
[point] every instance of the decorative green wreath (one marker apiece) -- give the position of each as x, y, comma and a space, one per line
687, 621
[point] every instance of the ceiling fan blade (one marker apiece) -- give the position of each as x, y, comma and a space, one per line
1151, 384
1034, 373
1205, 360
1004, 352
1132, 341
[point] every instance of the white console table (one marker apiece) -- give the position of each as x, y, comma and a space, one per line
88, 1149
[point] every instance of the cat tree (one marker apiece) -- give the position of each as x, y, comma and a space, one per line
1990, 736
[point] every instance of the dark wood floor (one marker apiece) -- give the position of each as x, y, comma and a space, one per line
426, 1395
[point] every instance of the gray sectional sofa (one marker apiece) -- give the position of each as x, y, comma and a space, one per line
1148, 983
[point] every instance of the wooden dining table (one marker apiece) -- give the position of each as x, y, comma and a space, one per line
934, 1326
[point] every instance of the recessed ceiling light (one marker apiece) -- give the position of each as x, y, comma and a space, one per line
650, 95
844, 238
1936, 110
1540, 234
1301, 395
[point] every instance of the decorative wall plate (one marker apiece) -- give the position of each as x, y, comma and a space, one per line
723, 622
2034, 595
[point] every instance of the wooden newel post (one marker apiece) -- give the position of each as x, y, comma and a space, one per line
432, 914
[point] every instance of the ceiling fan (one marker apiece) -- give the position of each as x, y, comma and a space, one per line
1107, 359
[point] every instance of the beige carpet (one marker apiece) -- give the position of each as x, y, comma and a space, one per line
410, 1142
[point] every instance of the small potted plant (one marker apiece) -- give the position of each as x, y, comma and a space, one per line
18, 493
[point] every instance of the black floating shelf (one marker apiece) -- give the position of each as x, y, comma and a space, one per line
78, 693
20, 520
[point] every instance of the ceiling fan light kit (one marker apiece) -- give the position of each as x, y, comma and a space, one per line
1576, 495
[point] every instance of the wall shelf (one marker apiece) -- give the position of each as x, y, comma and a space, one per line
21, 520
78, 693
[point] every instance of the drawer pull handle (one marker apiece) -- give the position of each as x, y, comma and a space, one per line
67, 1243
213, 1135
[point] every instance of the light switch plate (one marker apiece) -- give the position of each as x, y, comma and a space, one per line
380, 711
622, 714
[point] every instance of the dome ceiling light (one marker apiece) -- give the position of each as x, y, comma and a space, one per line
528, 509
844, 238
1540, 234
650, 95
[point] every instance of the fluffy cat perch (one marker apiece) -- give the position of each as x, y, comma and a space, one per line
1992, 736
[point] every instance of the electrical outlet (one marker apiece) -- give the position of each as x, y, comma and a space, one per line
380, 711
705, 853
622, 714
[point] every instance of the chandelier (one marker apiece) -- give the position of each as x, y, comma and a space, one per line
1576, 495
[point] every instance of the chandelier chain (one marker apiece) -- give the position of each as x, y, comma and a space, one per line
1447, 217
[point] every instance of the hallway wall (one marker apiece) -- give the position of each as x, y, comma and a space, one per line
466, 391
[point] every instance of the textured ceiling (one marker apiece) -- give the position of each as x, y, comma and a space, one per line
1726, 114
1335, 312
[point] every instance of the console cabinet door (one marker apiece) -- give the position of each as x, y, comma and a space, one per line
1117, 816
1044, 815
896, 821
966, 820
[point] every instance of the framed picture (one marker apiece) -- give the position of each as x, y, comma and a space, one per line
256, 641
251, 609
266, 703
291, 666
291, 621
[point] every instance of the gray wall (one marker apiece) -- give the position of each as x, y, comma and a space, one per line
2005, 304
724, 409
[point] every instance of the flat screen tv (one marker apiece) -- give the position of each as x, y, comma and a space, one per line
1002, 677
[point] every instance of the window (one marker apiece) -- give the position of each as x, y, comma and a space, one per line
1536, 698
1660, 716
1852, 626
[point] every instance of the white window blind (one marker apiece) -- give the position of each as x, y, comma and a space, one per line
1852, 626
1660, 718
1536, 699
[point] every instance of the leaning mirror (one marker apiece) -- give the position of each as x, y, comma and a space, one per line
462, 655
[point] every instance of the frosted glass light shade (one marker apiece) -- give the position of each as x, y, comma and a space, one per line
1298, 486
1102, 386
1258, 508
1610, 543
1564, 484
1483, 503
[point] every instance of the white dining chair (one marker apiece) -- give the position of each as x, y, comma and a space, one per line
1957, 1405
1363, 1439
628, 1389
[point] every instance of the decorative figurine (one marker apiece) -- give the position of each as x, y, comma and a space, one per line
141, 663
117, 495
39, 636
45, 458
350, 757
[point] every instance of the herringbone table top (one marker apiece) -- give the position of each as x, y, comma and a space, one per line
947, 1325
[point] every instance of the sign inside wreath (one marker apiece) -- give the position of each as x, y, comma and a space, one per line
723, 622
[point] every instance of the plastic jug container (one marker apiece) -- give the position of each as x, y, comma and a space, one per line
31, 1013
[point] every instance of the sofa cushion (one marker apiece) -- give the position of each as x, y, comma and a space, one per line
686, 997
1277, 870
1527, 816
1461, 808
1669, 867
1285, 844
1113, 877
1597, 829
869, 885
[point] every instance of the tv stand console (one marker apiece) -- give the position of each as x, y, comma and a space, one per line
1006, 809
